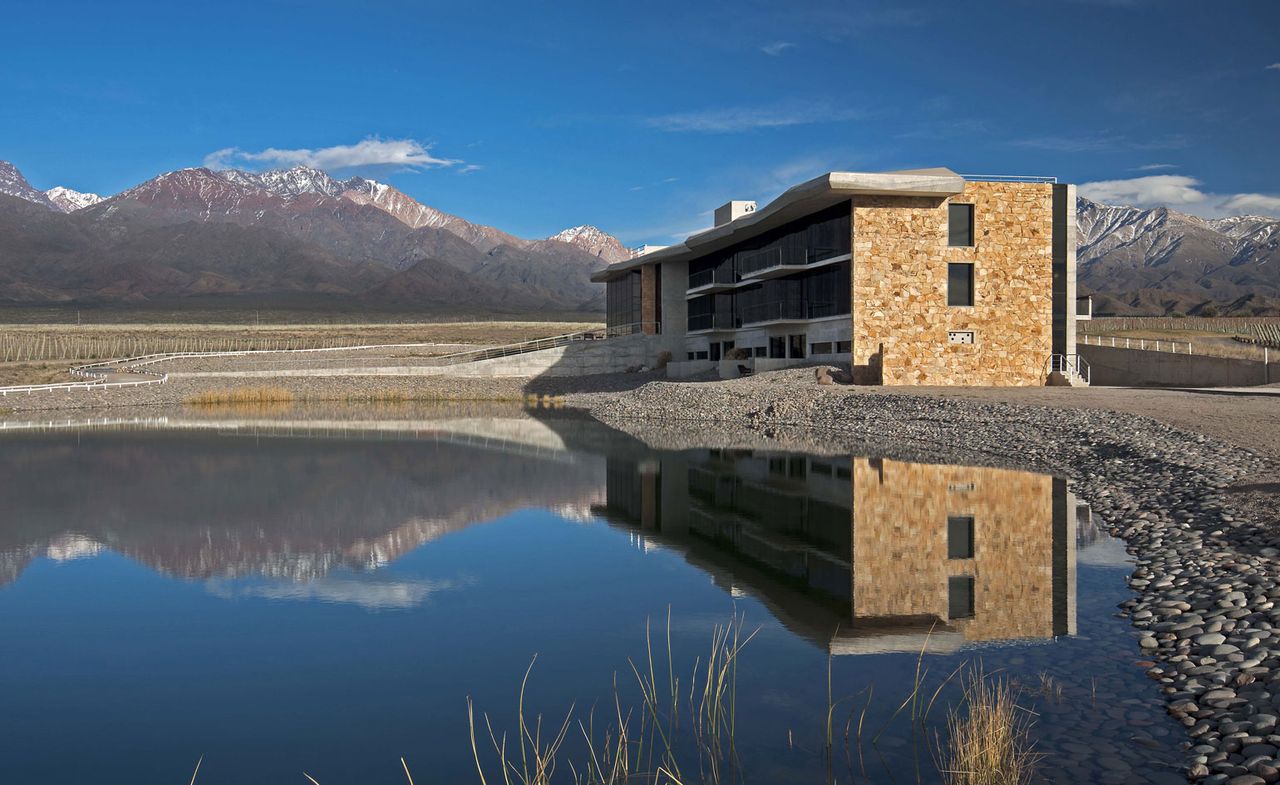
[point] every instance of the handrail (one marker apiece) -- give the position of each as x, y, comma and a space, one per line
1069, 365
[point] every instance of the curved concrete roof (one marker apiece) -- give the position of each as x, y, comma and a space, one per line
797, 201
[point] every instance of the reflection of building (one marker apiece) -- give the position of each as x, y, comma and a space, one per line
865, 555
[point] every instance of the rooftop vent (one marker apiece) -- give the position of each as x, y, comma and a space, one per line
732, 211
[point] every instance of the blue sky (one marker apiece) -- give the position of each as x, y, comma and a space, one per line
642, 117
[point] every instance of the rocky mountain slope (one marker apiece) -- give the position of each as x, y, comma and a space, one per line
1163, 261
298, 232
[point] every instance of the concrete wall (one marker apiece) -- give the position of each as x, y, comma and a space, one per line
1114, 367
900, 312
576, 359
675, 308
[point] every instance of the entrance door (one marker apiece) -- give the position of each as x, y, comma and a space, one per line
795, 344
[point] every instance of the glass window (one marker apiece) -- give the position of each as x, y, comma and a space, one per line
959, 536
960, 225
844, 347
715, 351
778, 347
796, 345
820, 348
960, 597
960, 284
760, 351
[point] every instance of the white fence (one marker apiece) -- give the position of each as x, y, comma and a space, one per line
1162, 345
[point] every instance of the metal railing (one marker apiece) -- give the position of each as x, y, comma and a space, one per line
1011, 178
713, 321
1069, 365
798, 310
1144, 344
759, 260
712, 275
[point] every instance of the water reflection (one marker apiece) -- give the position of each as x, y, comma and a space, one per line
319, 511
864, 555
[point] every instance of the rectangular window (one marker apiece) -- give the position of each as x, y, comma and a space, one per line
700, 355
960, 597
689, 356
778, 347
760, 351
959, 536
960, 284
844, 347
960, 225
796, 343
715, 352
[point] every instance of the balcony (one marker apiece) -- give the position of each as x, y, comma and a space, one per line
773, 263
711, 281
787, 311
710, 322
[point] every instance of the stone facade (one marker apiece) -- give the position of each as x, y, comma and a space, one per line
900, 315
650, 299
900, 547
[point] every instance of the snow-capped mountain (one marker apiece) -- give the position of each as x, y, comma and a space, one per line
12, 183
1161, 260
594, 241
292, 233
68, 201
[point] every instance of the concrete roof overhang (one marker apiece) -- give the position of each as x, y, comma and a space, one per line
800, 200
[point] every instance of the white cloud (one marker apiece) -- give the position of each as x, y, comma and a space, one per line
1179, 192
1153, 167
370, 152
1149, 191
1273, 67
744, 118
1253, 203
776, 48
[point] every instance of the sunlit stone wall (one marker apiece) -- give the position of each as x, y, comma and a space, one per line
900, 314
900, 555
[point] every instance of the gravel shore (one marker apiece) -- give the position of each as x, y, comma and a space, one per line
1207, 576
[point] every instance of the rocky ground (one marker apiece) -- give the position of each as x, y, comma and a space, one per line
1205, 535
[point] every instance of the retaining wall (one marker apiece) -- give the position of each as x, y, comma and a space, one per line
1114, 367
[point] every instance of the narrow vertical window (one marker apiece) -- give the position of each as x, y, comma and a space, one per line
959, 536
960, 225
960, 597
960, 284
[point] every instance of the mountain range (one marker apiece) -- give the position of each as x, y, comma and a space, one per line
295, 235
1161, 261
301, 237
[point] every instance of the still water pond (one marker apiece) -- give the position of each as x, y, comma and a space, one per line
287, 599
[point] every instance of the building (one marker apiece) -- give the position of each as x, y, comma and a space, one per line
912, 277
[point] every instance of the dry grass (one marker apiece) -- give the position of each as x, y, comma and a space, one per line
988, 736
240, 396
683, 731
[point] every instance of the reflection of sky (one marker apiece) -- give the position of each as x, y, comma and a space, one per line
371, 592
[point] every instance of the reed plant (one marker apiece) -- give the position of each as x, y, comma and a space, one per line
682, 732
241, 395
988, 738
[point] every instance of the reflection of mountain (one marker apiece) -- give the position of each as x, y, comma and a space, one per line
202, 506
865, 555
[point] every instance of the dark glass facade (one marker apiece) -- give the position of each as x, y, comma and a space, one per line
814, 238
622, 300
812, 294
